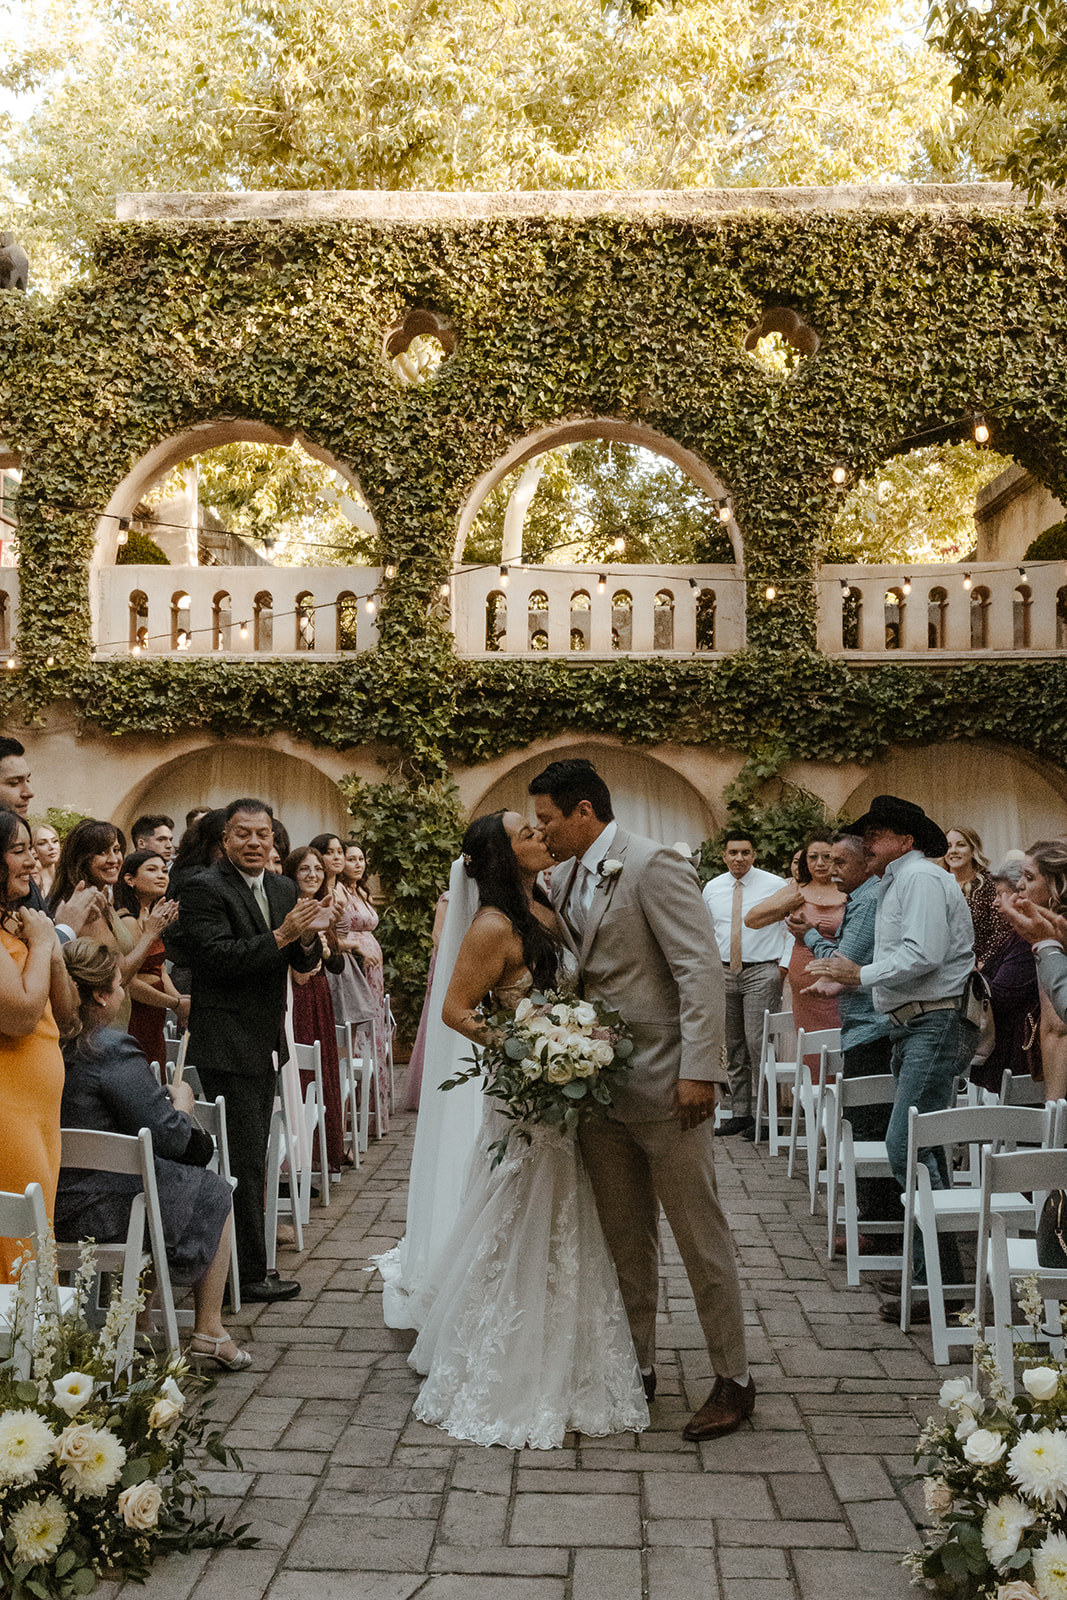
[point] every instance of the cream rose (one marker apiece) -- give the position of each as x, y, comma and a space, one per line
1041, 1382
937, 1496
558, 1072
163, 1413
1018, 1589
984, 1448
140, 1505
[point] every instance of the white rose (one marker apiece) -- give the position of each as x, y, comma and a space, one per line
163, 1413
602, 1053
610, 867
937, 1496
140, 1505
1041, 1382
952, 1392
523, 1009
966, 1426
171, 1392
558, 1072
584, 1014
984, 1448
72, 1391
1018, 1589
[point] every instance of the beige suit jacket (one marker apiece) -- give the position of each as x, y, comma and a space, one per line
649, 952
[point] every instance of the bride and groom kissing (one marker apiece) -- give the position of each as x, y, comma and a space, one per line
537, 1313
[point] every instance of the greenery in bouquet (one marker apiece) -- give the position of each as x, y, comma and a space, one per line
553, 1060
996, 1482
94, 1457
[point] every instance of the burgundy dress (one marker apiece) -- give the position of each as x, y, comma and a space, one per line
313, 1019
813, 1012
147, 1022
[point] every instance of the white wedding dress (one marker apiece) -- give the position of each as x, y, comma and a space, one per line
523, 1332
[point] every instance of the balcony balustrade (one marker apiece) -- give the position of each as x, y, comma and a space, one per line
931, 611
600, 611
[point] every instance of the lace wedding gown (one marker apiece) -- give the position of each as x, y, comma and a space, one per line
524, 1335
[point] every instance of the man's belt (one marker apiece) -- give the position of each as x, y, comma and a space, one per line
916, 1008
770, 962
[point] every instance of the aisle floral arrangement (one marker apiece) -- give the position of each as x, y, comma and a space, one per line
997, 1482
552, 1061
93, 1473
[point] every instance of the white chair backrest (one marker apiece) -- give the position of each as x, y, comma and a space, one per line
104, 1152
1000, 1125
22, 1216
1019, 1089
878, 1090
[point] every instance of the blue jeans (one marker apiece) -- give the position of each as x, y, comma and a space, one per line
928, 1054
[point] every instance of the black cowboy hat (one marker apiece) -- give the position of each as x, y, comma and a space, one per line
887, 811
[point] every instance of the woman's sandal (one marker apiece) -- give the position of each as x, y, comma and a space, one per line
238, 1363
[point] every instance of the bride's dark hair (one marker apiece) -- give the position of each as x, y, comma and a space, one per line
491, 862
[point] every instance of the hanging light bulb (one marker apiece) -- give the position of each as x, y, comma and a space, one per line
770, 592
839, 473
10, 663
1022, 573
907, 586
981, 430
390, 569
503, 577
966, 580
444, 591
601, 584
49, 661
620, 544
844, 586
724, 509
244, 630
370, 606
135, 650
693, 584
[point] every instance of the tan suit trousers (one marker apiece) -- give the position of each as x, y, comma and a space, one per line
636, 1166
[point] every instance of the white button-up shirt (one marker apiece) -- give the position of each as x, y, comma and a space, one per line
923, 936
581, 895
757, 944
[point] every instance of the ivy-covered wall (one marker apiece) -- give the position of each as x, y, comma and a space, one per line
923, 316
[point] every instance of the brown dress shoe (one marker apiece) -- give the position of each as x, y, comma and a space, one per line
727, 1406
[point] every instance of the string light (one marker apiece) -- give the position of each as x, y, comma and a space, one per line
1022, 573
966, 580
10, 663
49, 661
981, 429
770, 592
723, 508
693, 584
244, 630
601, 584
844, 587
839, 474
906, 586
370, 606
445, 591
124, 525
390, 570
619, 544
503, 577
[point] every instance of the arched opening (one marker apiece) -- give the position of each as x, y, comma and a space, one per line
221, 621
496, 619
347, 621
706, 619
180, 620
1021, 616
580, 634
138, 606
622, 465
663, 620
980, 601
537, 619
263, 621
851, 617
895, 605
937, 617
622, 620
305, 620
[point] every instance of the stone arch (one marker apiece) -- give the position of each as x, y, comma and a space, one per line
302, 795
1008, 794
648, 792
614, 429
168, 453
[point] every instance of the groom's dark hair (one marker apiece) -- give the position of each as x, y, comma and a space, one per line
568, 782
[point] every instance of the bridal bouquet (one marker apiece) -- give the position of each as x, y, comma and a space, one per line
93, 1474
552, 1061
998, 1484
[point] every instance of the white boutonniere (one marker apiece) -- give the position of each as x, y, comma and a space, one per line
609, 871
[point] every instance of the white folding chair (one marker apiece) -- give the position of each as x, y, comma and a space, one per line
281, 1152
351, 1078
1002, 1260
808, 1101
957, 1209
849, 1158
309, 1059
777, 1068
364, 1059
130, 1155
211, 1115
1019, 1089
22, 1216
387, 1049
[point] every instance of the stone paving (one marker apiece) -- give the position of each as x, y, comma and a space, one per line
353, 1499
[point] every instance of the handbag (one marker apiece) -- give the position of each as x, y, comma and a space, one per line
1052, 1230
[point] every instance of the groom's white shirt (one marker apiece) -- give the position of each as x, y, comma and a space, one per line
581, 896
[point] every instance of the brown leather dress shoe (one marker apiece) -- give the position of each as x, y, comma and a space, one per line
727, 1406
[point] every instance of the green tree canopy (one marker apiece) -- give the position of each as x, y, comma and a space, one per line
455, 94
919, 507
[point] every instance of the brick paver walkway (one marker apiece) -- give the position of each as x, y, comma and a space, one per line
353, 1499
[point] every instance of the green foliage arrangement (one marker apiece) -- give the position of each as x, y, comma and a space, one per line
140, 550
1051, 545
410, 833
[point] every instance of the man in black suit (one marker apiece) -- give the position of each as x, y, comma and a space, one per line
242, 928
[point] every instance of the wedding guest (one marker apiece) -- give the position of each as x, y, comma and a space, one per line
355, 934
313, 1013
109, 1086
46, 849
970, 868
194, 815
200, 847
281, 841
154, 833
142, 885
1043, 882
91, 855
36, 998
1014, 997
753, 963
816, 899
15, 791
413, 1087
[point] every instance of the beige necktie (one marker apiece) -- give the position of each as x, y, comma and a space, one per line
735, 927
576, 908
259, 894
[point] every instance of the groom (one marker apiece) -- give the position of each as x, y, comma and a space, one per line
632, 913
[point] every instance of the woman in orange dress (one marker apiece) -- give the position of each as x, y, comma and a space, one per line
35, 994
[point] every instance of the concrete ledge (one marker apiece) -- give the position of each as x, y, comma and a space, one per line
427, 205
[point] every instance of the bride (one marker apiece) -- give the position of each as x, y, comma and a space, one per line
523, 1332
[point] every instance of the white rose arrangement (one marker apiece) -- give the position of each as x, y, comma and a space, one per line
996, 1484
93, 1472
551, 1062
